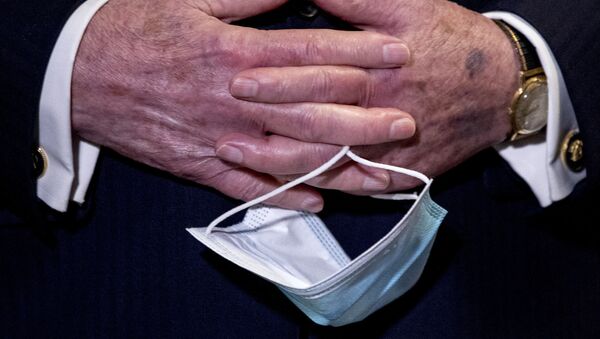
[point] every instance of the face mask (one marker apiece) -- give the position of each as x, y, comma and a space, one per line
295, 251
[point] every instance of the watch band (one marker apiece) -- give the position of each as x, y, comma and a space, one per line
525, 50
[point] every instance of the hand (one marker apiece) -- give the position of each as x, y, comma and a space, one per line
458, 86
151, 82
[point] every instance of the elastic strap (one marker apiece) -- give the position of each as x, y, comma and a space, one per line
345, 151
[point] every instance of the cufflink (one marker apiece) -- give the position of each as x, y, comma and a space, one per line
306, 8
571, 152
40, 162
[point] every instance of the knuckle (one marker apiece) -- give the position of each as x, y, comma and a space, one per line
310, 126
322, 85
366, 89
313, 50
249, 191
208, 172
280, 90
231, 48
319, 155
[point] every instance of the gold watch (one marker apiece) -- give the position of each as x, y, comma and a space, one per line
529, 108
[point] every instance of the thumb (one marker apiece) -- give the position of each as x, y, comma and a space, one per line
232, 10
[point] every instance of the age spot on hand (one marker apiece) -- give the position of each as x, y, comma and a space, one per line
475, 62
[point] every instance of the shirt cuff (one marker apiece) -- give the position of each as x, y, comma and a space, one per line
537, 159
71, 161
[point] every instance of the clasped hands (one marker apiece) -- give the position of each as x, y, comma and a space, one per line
171, 84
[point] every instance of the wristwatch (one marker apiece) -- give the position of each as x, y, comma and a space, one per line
529, 108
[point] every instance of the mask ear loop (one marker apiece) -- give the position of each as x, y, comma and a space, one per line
320, 170
401, 170
345, 151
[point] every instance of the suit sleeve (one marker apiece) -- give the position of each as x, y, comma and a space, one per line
28, 31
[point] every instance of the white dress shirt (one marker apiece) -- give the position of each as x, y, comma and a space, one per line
537, 159
71, 161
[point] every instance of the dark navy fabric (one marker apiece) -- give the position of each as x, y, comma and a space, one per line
123, 266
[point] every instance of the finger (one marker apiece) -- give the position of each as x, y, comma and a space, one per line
352, 178
321, 47
280, 155
274, 154
336, 124
246, 185
232, 10
334, 84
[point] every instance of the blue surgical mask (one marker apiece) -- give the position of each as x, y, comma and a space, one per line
297, 252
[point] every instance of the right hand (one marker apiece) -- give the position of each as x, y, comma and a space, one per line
151, 81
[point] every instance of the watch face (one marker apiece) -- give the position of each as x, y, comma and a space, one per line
531, 110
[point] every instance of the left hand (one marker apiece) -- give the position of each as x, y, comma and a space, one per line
151, 82
458, 86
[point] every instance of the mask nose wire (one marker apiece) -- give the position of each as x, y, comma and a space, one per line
318, 171
345, 151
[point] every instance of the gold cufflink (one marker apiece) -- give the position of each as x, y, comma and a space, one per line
40, 162
571, 152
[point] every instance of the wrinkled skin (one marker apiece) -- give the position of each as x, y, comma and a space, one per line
458, 86
151, 82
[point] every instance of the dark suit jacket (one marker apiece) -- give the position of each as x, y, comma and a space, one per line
501, 267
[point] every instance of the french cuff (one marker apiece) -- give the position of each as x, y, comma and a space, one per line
538, 159
71, 161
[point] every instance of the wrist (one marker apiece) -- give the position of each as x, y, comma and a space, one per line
106, 72
88, 71
506, 79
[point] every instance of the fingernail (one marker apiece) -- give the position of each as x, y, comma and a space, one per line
244, 88
312, 205
378, 183
402, 129
230, 154
396, 53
